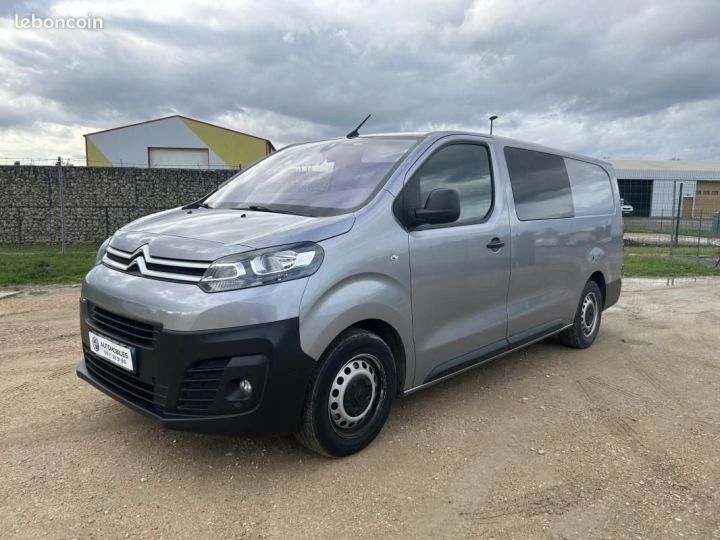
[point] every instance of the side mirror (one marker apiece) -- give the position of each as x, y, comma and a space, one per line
442, 206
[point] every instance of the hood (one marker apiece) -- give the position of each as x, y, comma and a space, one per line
206, 234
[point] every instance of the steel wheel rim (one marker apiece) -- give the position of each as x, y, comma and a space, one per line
589, 314
356, 393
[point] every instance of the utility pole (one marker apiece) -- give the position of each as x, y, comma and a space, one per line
492, 119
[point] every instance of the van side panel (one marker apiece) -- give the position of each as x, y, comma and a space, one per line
551, 260
550, 263
370, 281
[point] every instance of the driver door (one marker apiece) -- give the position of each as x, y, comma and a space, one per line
459, 270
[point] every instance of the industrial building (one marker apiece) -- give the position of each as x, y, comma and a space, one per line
653, 188
174, 142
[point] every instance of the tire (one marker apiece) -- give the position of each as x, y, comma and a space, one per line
349, 396
588, 316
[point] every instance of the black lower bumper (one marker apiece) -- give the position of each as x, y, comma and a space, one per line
191, 380
612, 293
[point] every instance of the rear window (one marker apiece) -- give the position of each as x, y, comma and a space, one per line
540, 184
591, 189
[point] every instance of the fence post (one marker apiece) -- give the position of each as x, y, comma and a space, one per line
679, 211
662, 215
699, 234
61, 201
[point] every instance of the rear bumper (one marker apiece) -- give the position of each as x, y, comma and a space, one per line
190, 380
612, 293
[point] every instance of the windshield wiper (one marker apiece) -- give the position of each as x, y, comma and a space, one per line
196, 204
260, 208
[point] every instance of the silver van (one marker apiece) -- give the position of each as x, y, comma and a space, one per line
310, 290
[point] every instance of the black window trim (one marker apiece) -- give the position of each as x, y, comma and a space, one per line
400, 206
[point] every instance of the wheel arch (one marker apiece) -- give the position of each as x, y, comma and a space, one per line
373, 302
599, 280
390, 336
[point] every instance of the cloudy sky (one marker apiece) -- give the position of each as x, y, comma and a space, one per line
635, 79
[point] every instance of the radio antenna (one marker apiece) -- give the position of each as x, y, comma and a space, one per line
354, 133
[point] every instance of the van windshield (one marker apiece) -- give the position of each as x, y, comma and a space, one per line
316, 179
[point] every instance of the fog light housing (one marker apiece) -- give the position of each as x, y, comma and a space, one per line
246, 388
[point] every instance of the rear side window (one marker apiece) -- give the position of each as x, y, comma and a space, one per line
464, 168
540, 184
591, 190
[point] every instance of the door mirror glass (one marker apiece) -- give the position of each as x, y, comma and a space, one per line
442, 206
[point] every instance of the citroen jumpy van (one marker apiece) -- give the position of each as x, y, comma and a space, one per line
310, 290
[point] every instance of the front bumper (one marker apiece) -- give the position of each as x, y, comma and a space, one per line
190, 380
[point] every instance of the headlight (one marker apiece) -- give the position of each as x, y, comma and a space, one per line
262, 267
102, 250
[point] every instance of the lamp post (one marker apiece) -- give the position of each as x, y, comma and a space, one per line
492, 119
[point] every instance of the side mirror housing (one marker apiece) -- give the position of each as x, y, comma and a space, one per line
442, 206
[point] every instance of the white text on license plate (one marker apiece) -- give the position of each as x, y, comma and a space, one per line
119, 355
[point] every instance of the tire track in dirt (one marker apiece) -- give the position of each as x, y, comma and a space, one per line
557, 500
660, 387
616, 424
38, 379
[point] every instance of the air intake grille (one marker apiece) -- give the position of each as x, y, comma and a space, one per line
200, 385
127, 384
124, 329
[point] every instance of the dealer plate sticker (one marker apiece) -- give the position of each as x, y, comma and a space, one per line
111, 351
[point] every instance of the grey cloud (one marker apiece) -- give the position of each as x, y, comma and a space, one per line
607, 80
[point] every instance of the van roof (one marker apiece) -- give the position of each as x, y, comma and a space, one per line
504, 140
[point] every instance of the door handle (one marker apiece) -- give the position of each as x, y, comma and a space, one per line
495, 244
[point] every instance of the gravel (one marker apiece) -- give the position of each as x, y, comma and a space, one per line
617, 441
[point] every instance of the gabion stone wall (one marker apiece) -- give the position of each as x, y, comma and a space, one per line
98, 200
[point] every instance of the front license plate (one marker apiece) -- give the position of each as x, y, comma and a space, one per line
120, 355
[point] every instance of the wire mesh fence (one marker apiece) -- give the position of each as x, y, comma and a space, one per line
677, 218
694, 239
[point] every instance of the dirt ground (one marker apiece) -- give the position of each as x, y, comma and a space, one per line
618, 441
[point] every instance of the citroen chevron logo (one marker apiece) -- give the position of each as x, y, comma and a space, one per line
139, 253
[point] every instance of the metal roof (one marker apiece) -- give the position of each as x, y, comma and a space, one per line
176, 116
670, 169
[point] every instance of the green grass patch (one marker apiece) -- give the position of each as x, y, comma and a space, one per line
686, 251
42, 265
656, 262
17, 249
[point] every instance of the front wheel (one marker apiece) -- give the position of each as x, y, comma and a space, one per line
350, 395
585, 327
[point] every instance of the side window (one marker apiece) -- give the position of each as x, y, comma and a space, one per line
591, 189
464, 168
540, 184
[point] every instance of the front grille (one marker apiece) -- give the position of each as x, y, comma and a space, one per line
130, 386
200, 385
164, 268
127, 330
140, 262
